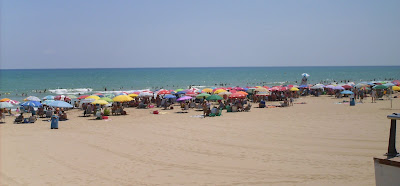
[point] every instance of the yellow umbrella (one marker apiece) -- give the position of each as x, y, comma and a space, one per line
100, 102
208, 90
4, 100
294, 89
219, 91
133, 95
93, 97
122, 98
395, 88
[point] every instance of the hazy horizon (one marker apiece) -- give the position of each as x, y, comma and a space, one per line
161, 34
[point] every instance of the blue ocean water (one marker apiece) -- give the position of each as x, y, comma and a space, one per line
16, 82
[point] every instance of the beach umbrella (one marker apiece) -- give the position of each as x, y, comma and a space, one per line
61, 104
46, 102
122, 98
239, 89
347, 86
5, 105
396, 82
72, 97
83, 97
214, 97
207, 90
237, 95
396, 88
317, 86
87, 100
100, 102
32, 98
338, 88
163, 92
169, 96
93, 97
305, 75
359, 85
184, 98
145, 94
109, 95
389, 84
262, 94
347, 92
303, 86
330, 86
5, 100
203, 95
178, 90
245, 93
181, 92
32, 104
99, 94
261, 89
294, 89
13, 102
106, 99
191, 93
133, 95
219, 91
225, 93
49, 97
61, 97
379, 87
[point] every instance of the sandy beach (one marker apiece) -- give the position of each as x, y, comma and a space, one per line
317, 143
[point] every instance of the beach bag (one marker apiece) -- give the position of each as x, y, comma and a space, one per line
155, 112
105, 117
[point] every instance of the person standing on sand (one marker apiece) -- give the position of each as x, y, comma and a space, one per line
373, 95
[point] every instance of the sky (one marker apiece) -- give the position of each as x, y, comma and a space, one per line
183, 33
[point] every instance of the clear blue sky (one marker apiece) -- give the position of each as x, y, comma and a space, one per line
184, 33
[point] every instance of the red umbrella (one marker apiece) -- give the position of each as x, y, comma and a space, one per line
347, 86
191, 93
161, 92
396, 82
82, 97
266, 87
237, 95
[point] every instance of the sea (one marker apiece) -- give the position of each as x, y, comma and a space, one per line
42, 82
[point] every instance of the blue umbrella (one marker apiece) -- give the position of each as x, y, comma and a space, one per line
61, 104
347, 92
303, 86
47, 102
32, 104
169, 96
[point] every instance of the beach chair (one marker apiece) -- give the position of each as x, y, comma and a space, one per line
192, 105
32, 119
19, 119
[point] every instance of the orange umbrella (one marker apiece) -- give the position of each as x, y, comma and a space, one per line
4, 100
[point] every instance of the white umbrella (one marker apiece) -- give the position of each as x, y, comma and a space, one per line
145, 94
5, 105
32, 98
305, 75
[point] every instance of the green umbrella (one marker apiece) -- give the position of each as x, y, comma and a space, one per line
379, 87
179, 89
109, 95
203, 95
106, 99
72, 97
214, 97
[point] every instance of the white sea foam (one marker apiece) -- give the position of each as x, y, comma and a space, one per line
71, 91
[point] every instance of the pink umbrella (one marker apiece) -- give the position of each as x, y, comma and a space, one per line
184, 98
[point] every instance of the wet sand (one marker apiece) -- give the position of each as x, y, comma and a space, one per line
317, 143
